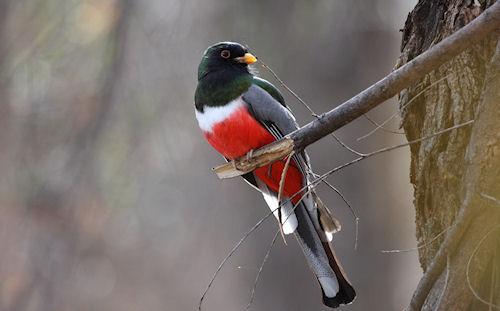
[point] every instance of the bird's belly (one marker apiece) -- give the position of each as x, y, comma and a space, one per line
236, 135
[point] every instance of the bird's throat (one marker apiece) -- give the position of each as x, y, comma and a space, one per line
221, 87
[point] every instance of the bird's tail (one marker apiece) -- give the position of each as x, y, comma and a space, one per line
346, 292
321, 258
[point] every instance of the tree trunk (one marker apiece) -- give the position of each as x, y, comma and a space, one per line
456, 176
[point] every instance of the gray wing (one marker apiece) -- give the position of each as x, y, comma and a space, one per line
266, 109
277, 119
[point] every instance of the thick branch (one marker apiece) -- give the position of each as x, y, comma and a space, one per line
373, 96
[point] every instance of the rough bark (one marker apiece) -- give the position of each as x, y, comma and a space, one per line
450, 172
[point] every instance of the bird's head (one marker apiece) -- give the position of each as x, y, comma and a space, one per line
225, 56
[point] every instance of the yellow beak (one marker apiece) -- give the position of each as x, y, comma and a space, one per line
247, 59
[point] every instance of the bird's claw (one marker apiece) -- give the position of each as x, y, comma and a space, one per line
249, 154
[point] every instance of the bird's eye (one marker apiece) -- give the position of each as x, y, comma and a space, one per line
225, 54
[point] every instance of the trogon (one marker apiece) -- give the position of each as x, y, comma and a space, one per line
239, 112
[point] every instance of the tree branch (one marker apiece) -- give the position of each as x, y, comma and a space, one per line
373, 96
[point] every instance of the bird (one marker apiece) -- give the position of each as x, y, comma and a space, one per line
238, 112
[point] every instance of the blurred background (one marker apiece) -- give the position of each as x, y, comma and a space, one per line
107, 200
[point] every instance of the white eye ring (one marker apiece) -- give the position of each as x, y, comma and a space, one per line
225, 54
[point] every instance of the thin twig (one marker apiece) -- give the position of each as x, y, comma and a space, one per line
418, 247
379, 126
346, 146
283, 176
280, 193
468, 268
287, 88
353, 211
252, 296
445, 281
231, 252
489, 197
494, 275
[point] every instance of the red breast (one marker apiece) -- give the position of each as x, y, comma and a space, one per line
233, 132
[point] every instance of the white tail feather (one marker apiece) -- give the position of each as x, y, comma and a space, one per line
288, 218
329, 285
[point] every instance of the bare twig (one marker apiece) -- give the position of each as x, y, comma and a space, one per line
494, 276
231, 252
257, 277
280, 193
345, 145
418, 247
283, 176
489, 197
380, 126
446, 278
287, 88
353, 211
468, 268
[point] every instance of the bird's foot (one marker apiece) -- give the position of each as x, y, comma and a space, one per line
249, 154
270, 170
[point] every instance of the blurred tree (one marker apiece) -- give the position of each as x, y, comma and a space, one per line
52, 211
454, 173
